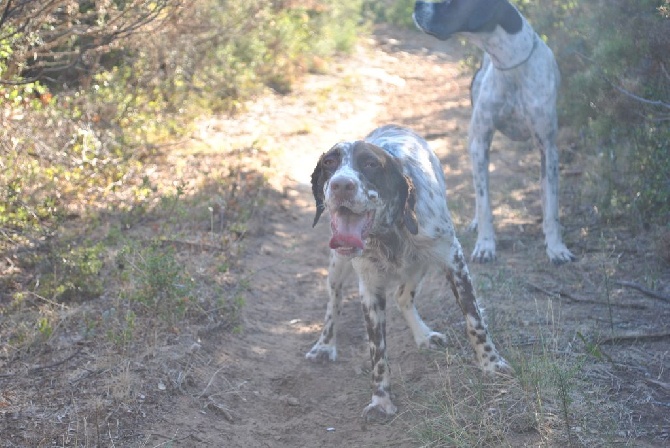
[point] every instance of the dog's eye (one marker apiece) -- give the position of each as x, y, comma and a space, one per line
331, 162
371, 164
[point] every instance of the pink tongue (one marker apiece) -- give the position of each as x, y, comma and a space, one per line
347, 230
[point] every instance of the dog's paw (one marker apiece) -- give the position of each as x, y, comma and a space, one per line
559, 254
496, 364
485, 251
379, 409
322, 353
432, 340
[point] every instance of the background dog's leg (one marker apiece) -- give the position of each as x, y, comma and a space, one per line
556, 250
423, 335
479, 142
373, 298
325, 348
486, 354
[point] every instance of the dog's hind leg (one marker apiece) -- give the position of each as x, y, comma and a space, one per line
325, 348
557, 251
458, 276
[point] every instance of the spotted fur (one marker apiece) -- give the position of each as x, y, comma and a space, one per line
396, 177
513, 92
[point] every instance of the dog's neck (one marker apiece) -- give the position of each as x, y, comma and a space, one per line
507, 51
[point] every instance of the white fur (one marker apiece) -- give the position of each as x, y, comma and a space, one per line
396, 259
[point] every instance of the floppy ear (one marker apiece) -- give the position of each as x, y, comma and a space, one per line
510, 19
317, 190
408, 212
489, 13
407, 197
481, 17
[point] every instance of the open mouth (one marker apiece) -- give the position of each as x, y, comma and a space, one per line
349, 230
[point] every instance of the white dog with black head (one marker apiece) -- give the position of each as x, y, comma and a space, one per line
513, 92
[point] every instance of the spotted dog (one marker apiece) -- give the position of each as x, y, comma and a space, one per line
386, 197
514, 92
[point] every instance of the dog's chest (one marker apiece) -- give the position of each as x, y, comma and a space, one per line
511, 119
502, 97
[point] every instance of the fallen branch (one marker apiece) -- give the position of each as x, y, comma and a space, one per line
575, 299
55, 364
48, 366
663, 385
645, 291
635, 337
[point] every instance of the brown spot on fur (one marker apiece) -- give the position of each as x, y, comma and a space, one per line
375, 333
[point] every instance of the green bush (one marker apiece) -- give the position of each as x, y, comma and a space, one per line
616, 93
389, 11
79, 119
156, 281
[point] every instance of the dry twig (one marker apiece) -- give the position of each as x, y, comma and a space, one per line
575, 299
643, 290
617, 339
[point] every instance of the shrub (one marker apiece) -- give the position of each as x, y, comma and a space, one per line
91, 89
616, 93
388, 11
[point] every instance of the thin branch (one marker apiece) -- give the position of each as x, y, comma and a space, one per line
55, 364
645, 291
639, 98
617, 339
5, 13
665, 71
575, 299
624, 91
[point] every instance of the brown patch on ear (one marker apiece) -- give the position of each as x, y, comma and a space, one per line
407, 197
408, 212
317, 190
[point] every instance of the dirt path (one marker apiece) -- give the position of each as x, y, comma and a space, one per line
263, 393
273, 396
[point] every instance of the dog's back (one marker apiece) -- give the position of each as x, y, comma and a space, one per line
422, 167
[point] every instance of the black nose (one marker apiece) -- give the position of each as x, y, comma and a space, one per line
343, 187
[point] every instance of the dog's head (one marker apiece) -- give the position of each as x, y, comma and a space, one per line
364, 189
450, 17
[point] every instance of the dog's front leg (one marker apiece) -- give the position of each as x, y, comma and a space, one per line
373, 298
479, 142
325, 348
